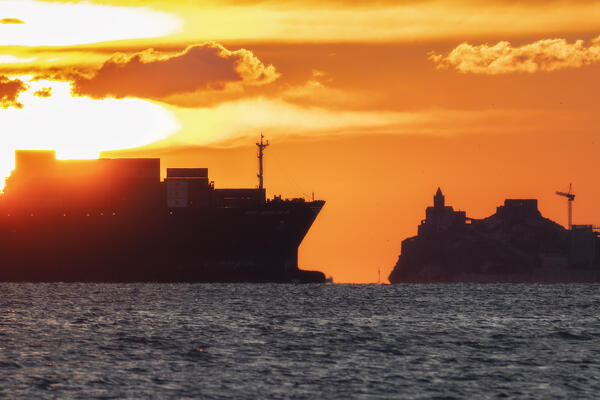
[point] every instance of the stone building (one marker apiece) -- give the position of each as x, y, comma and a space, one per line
441, 217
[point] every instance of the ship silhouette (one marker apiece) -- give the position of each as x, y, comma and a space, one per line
114, 220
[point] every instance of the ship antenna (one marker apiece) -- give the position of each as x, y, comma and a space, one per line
261, 148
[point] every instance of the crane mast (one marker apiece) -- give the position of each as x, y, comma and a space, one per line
570, 198
261, 148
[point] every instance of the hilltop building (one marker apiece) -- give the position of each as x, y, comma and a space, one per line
584, 247
515, 210
440, 217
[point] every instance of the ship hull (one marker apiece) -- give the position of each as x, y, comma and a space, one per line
179, 245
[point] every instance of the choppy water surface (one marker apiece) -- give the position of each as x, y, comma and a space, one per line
304, 342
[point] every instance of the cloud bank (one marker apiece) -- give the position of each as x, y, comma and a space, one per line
9, 92
156, 75
503, 58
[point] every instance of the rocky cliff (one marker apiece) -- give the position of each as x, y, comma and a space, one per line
516, 244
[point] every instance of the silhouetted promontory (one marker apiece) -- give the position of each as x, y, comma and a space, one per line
516, 244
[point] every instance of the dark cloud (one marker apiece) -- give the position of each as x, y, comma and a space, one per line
9, 92
43, 92
11, 21
157, 75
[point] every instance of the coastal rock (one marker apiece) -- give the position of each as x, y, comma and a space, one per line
516, 244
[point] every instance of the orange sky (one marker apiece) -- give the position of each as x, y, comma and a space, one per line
371, 105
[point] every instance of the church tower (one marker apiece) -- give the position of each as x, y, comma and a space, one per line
438, 200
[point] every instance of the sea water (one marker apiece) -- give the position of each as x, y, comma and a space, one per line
239, 341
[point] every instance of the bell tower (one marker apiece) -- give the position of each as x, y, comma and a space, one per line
438, 200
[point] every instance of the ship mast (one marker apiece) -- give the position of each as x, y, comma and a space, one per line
261, 148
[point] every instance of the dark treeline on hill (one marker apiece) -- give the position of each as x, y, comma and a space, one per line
516, 244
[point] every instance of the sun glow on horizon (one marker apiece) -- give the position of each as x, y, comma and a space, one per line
79, 127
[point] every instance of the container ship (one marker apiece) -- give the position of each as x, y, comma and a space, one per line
115, 220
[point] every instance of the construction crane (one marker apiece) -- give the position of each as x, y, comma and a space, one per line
261, 149
570, 197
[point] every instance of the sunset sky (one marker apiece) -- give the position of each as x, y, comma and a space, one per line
371, 105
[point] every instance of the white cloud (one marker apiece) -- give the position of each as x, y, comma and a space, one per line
502, 58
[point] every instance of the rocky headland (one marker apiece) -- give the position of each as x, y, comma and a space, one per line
516, 244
